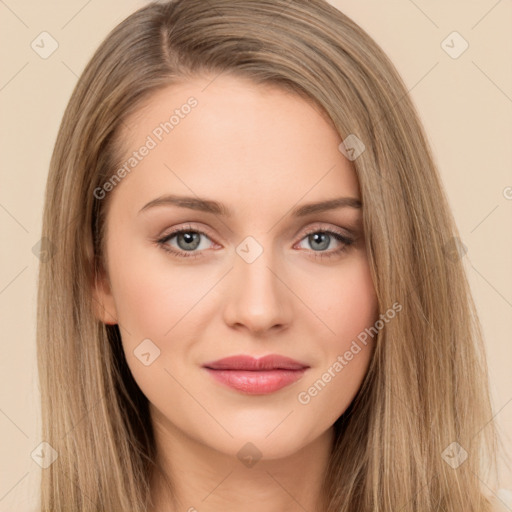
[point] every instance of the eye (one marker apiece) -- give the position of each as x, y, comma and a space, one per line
321, 239
188, 240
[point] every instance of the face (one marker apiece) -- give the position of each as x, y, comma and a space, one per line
250, 271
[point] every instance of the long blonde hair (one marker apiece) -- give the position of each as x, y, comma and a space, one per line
427, 384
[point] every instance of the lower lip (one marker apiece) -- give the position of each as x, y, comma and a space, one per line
257, 382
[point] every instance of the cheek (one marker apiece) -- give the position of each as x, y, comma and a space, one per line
356, 312
345, 300
153, 294
349, 307
155, 301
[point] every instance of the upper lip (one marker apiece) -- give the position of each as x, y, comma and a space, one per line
246, 362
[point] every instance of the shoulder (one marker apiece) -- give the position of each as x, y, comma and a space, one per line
502, 500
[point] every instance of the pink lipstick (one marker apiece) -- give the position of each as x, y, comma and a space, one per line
256, 376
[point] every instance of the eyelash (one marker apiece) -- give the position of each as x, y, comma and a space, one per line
162, 242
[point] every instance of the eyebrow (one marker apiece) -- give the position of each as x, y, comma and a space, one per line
210, 206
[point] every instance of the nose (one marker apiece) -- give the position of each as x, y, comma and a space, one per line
258, 298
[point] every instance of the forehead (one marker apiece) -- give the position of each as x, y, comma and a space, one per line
236, 141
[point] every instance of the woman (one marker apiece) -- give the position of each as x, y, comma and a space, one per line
197, 349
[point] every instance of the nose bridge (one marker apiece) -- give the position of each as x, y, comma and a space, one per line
258, 299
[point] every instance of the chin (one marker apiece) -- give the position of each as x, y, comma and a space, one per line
264, 441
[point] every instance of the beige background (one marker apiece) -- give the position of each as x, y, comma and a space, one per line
465, 104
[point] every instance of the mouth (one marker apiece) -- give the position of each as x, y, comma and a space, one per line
256, 376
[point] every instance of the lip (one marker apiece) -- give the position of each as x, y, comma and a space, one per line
256, 376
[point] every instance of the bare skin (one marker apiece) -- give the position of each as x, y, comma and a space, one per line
262, 152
